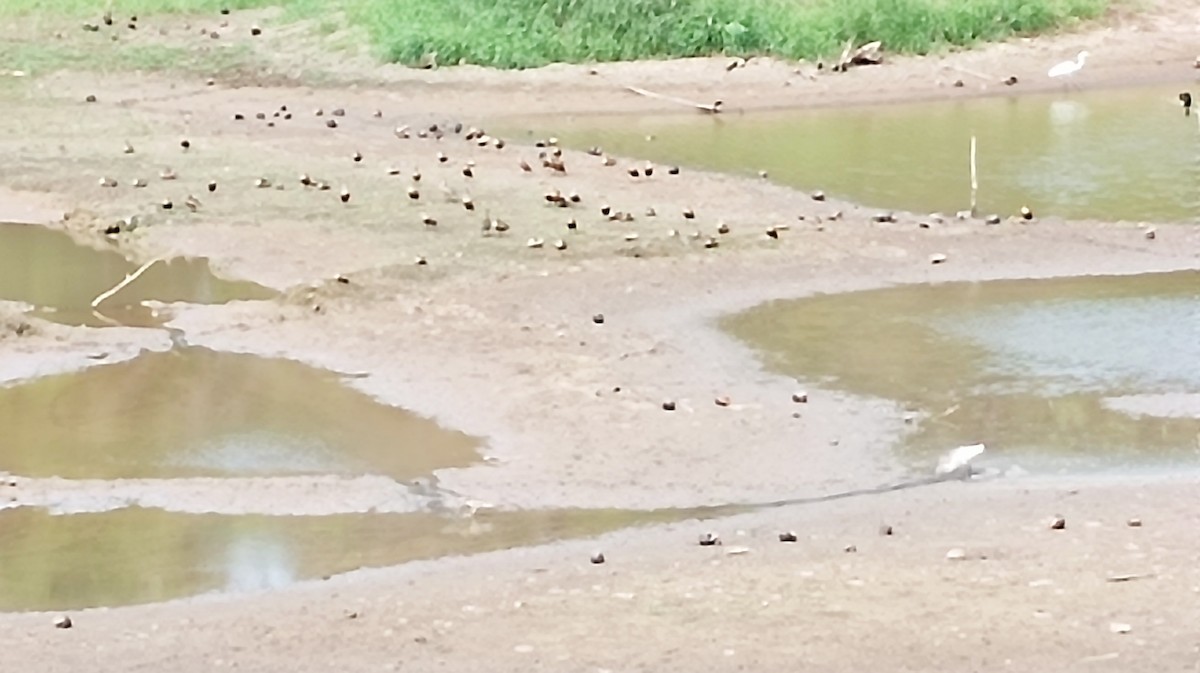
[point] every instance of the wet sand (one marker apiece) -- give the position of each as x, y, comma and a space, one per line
497, 340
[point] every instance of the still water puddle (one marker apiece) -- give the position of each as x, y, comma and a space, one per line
192, 412
1036, 369
49, 270
145, 555
1126, 154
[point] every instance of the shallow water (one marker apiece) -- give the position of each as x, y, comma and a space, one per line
49, 270
1030, 367
1125, 154
144, 555
195, 412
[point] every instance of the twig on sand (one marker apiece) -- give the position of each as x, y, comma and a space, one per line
711, 108
1129, 577
121, 285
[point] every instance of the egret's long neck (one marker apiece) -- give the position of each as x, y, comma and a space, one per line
1080, 59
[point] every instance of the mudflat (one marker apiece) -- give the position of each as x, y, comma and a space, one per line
495, 334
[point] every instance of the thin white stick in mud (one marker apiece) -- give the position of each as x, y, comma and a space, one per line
711, 108
121, 285
105, 319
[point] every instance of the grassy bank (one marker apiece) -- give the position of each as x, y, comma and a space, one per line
527, 33
521, 33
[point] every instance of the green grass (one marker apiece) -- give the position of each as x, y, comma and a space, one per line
528, 33
523, 33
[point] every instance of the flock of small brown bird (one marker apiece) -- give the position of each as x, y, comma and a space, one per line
551, 162
107, 20
550, 157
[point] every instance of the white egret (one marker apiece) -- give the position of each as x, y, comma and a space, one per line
1067, 68
959, 458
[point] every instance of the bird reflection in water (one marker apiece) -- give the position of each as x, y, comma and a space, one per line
255, 563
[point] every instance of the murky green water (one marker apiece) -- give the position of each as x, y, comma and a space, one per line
196, 412
143, 555
1023, 366
49, 270
1116, 155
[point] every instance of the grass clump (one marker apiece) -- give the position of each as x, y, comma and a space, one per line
526, 33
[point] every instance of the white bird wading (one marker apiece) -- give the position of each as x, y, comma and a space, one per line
1068, 68
959, 460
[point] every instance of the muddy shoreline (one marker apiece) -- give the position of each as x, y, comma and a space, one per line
497, 340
